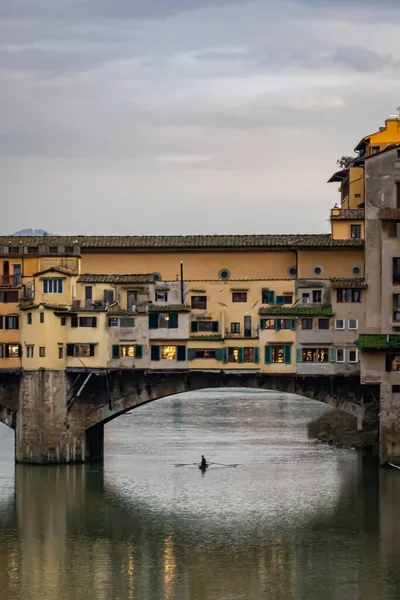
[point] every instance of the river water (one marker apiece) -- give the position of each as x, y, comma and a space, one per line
293, 521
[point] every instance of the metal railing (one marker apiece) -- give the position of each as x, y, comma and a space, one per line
10, 279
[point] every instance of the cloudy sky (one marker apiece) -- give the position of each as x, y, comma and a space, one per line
187, 116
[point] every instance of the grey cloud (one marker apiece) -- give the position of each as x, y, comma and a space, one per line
362, 59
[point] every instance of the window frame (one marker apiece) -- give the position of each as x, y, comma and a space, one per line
325, 320
352, 328
200, 304
316, 294
303, 320
344, 355
238, 297
164, 297
340, 328
55, 285
30, 351
355, 228
42, 351
349, 354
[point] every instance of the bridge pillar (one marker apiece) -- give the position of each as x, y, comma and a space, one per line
46, 432
389, 425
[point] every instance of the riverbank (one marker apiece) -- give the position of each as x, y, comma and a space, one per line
340, 429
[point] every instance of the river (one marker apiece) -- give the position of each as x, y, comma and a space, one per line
294, 520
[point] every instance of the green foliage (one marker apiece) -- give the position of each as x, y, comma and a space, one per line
378, 341
297, 310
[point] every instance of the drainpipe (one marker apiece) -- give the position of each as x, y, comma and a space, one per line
182, 294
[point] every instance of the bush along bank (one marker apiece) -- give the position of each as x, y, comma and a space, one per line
340, 429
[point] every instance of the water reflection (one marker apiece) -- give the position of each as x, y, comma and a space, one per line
295, 522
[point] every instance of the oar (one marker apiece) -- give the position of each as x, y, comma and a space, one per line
185, 464
223, 464
395, 466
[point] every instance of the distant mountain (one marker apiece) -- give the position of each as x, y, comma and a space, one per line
36, 232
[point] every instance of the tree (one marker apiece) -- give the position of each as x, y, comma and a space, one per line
345, 161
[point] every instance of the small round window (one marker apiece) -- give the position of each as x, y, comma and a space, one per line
292, 271
356, 270
157, 277
317, 270
224, 274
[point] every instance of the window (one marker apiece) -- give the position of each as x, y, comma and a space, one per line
60, 352
356, 270
29, 351
375, 149
340, 356
285, 324
53, 249
268, 297
199, 302
224, 274
305, 298
63, 321
41, 317
69, 249
200, 353
339, 324
233, 355
395, 389
348, 295
53, 286
87, 321
357, 195
126, 322
33, 249
29, 318
168, 352
284, 299
235, 327
11, 322
9, 297
80, 350
248, 355
355, 231
163, 321
1, 351
161, 296
317, 270
239, 296
201, 326
306, 323
267, 323
157, 276
127, 351
42, 351
317, 296
353, 355
315, 355
352, 324
13, 350
13, 250
278, 354
113, 322
323, 323
394, 226
396, 270
292, 271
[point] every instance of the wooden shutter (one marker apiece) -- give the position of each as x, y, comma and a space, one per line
91, 348
218, 354
173, 321
332, 355
293, 324
155, 352
268, 355
215, 326
181, 353
262, 323
115, 351
94, 322
153, 321
280, 300
7, 350
70, 349
277, 324
225, 355
190, 354
256, 355
138, 351
1, 322
240, 355
271, 297
298, 355
287, 355
194, 326
74, 320
388, 362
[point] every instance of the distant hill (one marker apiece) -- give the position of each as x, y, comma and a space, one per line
36, 232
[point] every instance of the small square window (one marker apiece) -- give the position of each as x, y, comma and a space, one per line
353, 355
339, 324
42, 351
113, 322
60, 352
306, 323
235, 327
340, 355
323, 323
239, 296
161, 296
353, 324
42, 317
199, 302
317, 296
305, 298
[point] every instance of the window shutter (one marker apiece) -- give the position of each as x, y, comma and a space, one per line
388, 362
19, 350
218, 354
332, 354
190, 354
268, 355
173, 321
277, 324
280, 300
256, 355
271, 297
225, 355
74, 320
138, 351
1, 322
181, 353
155, 352
91, 348
1, 296
215, 326
298, 355
115, 351
70, 349
293, 324
262, 323
287, 355
240, 355
194, 326
94, 322
153, 321
7, 352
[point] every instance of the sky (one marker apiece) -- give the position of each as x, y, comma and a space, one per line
187, 116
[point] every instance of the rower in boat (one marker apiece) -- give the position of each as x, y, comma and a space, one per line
203, 463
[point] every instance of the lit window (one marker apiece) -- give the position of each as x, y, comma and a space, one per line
233, 355
163, 320
12, 350
315, 355
269, 323
53, 286
82, 350
278, 354
168, 352
127, 351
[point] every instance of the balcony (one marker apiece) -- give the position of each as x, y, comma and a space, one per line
10, 280
242, 335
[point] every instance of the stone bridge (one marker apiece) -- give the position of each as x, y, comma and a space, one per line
59, 416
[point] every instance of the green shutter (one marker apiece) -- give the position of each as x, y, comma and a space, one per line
240, 355
215, 326
277, 324
74, 320
91, 349
190, 354
268, 355
94, 322
271, 297
262, 323
298, 355
280, 300
138, 351
70, 349
225, 355
194, 327
115, 351
155, 352
153, 321
332, 354
181, 353
256, 355
218, 354
173, 321
293, 324
287, 355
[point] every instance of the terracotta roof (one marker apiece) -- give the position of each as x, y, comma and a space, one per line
348, 214
103, 278
389, 214
348, 282
106, 242
56, 270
